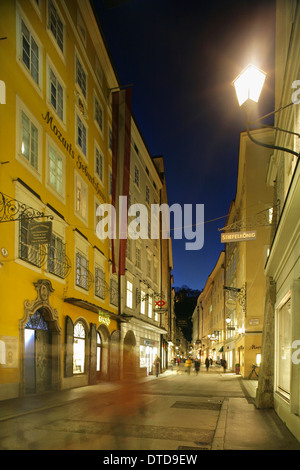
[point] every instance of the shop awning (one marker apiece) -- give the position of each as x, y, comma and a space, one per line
145, 324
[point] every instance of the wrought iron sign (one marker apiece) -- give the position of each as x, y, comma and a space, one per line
240, 294
11, 210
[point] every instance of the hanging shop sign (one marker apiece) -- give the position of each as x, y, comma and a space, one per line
238, 236
39, 233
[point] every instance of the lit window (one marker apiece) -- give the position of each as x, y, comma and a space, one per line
81, 198
55, 170
98, 366
29, 146
79, 349
150, 307
129, 294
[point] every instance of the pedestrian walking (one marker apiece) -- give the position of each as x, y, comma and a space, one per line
156, 364
207, 363
188, 365
224, 364
197, 366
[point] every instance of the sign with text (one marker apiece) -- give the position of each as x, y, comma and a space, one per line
39, 233
238, 236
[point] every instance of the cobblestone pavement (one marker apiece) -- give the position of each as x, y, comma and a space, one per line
175, 412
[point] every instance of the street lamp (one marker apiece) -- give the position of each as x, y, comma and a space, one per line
248, 86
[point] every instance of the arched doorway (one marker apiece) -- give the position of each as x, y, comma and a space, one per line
102, 353
129, 356
38, 357
40, 343
115, 356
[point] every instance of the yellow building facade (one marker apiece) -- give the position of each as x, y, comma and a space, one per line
251, 212
59, 322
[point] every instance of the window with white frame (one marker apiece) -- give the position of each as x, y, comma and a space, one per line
56, 170
81, 197
56, 256
29, 140
99, 282
98, 163
30, 52
129, 294
56, 93
81, 76
55, 24
82, 271
81, 135
98, 113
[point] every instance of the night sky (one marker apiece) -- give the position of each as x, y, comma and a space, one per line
181, 57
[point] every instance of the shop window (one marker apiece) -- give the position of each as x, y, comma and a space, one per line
98, 365
284, 348
79, 349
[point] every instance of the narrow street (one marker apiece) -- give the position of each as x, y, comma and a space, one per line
176, 412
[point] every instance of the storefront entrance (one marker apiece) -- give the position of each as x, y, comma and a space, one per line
38, 360
40, 343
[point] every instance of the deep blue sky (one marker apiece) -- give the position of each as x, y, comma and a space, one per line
181, 57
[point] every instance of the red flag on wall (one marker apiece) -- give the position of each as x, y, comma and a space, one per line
121, 144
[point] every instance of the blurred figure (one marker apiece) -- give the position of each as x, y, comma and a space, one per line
197, 366
156, 364
188, 365
207, 363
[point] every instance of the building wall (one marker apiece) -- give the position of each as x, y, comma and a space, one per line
56, 158
283, 266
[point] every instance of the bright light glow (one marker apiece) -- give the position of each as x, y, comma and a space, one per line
249, 83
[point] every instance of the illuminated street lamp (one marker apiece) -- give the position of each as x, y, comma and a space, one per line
248, 85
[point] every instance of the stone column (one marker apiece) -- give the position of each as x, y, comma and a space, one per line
265, 389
